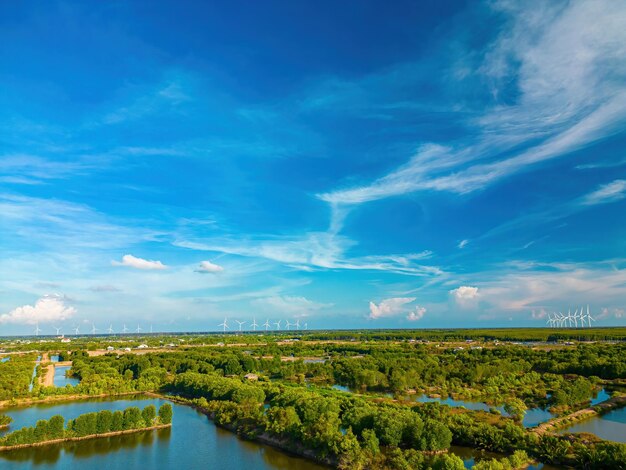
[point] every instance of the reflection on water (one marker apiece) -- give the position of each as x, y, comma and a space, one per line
54, 358
192, 442
611, 426
61, 380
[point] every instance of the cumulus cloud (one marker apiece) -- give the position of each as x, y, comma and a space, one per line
463, 243
138, 263
465, 296
208, 267
416, 314
389, 307
49, 308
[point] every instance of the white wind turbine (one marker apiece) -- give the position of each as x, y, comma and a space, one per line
254, 324
76, 330
297, 324
37, 330
58, 330
306, 326
288, 324
110, 330
124, 330
241, 323
277, 323
589, 317
224, 325
93, 328
138, 329
267, 324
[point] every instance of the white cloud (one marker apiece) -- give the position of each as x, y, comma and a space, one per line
316, 250
294, 306
465, 296
208, 267
416, 314
610, 192
389, 307
462, 243
49, 308
138, 263
569, 73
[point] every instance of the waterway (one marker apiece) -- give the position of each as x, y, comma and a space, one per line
192, 442
611, 426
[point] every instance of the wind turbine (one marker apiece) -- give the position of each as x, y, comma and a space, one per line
306, 326
267, 324
277, 323
150, 329
76, 331
93, 328
110, 330
58, 330
124, 330
138, 329
254, 324
241, 323
589, 317
37, 330
224, 325
288, 325
297, 324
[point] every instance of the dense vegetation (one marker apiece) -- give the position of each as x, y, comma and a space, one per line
276, 389
15, 376
89, 424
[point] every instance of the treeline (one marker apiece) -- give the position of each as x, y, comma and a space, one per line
349, 432
15, 376
89, 424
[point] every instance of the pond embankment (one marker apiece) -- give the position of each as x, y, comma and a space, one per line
581, 415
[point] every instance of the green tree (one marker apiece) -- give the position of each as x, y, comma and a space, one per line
56, 427
165, 413
117, 421
104, 421
148, 414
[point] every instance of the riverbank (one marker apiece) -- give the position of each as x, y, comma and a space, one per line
283, 445
62, 398
581, 415
83, 438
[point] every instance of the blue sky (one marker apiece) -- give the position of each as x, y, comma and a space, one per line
347, 164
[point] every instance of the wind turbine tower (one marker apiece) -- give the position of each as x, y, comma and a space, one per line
37, 330
267, 324
224, 325
241, 323
254, 324
277, 325
58, 330
93, 328
110, 330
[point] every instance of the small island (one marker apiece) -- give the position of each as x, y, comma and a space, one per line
104, 423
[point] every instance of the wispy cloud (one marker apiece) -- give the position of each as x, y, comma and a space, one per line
610, 192
566, 102
294, 306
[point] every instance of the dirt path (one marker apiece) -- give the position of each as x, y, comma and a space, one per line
47, 380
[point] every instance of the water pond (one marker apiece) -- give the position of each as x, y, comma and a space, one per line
611, 426
192, 442
61, 380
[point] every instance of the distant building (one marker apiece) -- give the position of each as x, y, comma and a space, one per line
66, 340
251, 377
142, 346
110, 348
